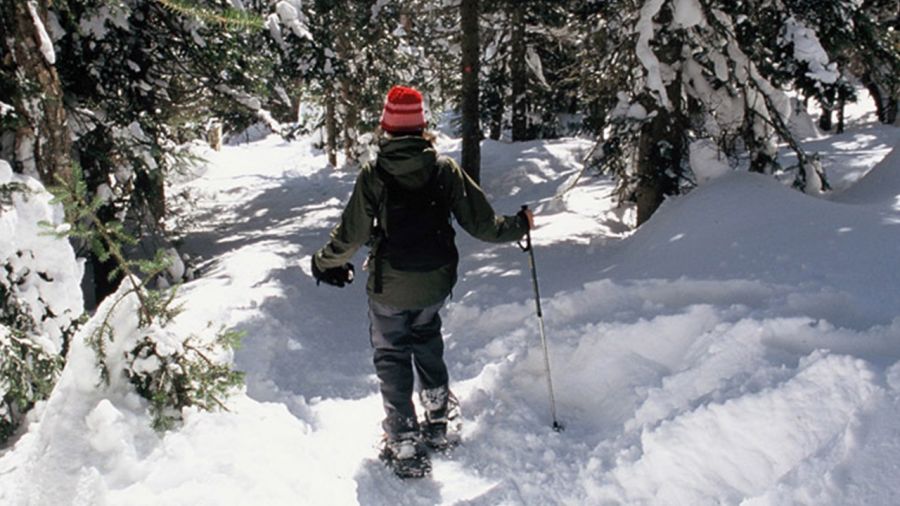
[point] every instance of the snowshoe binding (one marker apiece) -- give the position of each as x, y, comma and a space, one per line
440, 428
405, 456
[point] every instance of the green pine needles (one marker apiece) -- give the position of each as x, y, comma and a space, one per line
229, 18
30, 362
183, 376
27, 371
170, 370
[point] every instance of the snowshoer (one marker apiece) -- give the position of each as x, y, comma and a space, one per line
401, 207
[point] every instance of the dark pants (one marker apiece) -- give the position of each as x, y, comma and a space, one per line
406, 339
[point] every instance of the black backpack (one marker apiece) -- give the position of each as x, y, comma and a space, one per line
416, 234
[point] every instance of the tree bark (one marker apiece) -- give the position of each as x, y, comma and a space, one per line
518, 75
661, 148
42, 141
471, 129
825, 119
825, 122
840, 116
150, 185
351, 120
660, 151
886, 105
330, 127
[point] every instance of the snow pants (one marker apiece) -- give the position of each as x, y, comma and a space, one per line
407, 340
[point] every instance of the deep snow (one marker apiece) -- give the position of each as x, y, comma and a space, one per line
740, 348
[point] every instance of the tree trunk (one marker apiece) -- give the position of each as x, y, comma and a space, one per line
471, 129
151, 186
661, 148
93, 149
518, 75
42, 143
493, 101
892, 112
351, 120
885, 104
660, 152
496, 127
840, 116
825, 118
330, 127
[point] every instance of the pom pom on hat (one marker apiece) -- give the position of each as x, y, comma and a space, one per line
403, 111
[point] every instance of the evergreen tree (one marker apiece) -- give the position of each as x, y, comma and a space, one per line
137, 78
699, 80
131, 332
528, 45
40, 299
347, 59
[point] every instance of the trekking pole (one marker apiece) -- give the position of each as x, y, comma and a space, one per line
537, 302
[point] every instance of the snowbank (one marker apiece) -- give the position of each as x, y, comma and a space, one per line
45, 277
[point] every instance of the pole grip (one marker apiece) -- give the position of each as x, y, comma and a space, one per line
527, 247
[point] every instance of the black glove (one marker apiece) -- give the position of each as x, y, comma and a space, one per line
336, 276
527, 217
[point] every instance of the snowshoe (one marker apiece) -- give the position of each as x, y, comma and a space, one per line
441, 427
406, 457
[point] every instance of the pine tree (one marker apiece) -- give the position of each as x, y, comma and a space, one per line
350, 55
702, 78
40, 303
526, 47
140, 78
132, 334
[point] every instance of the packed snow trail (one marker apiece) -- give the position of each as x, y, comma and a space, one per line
742, 347
659, 314
307, 346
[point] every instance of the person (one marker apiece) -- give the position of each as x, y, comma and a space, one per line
401, 207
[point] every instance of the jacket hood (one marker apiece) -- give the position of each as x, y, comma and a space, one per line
408, 158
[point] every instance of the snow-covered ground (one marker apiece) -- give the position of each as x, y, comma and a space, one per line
742, 347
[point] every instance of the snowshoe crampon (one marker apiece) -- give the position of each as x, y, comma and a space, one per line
407, 457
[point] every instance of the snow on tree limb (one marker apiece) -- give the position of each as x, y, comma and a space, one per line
46, 45
645, 30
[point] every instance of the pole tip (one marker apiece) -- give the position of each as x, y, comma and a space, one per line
558, 427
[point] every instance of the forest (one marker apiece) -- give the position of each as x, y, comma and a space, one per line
101, 99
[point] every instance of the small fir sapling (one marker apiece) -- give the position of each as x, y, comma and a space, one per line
133, 334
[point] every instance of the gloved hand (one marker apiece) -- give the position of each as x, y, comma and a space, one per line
528, 216
336, 276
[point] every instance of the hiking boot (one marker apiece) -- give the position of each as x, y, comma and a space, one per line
406, 456
440, 429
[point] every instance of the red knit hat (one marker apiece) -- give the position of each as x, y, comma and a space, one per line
403, 112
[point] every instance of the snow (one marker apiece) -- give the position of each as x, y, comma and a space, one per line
95, 25
688, 13
292, 17
40, 268
741, 347
45, 43
645, 30
707, 160
807, 48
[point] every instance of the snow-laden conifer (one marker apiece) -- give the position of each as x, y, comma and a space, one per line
40, 296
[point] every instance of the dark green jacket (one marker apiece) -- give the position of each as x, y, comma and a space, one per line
411, 160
